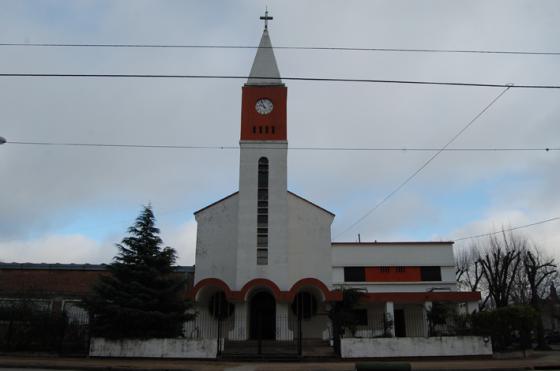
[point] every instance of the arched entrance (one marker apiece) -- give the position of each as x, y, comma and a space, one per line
262, 316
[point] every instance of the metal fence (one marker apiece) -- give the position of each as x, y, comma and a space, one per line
32, 325
237, 336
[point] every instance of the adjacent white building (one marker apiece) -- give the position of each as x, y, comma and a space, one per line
264, 255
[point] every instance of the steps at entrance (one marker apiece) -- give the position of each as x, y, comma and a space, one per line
315, 348
276, 350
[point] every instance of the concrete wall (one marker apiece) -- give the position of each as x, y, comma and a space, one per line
154, 348
415, 347
392, 254
216, 241
309, 241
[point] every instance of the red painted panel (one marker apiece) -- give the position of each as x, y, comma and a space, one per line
410, 274
255, 126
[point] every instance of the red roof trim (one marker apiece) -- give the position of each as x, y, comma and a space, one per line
331, 295
217, 202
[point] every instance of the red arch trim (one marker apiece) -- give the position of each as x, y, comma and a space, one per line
279, 295
213, 282
306, 282
261, 282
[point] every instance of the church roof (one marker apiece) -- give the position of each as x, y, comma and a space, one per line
289, 192
215, 203
311, 203
264, 70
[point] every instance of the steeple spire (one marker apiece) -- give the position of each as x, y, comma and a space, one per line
265, 70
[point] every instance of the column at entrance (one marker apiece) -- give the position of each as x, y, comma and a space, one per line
427, 308
239, 330
283, 331
390, 315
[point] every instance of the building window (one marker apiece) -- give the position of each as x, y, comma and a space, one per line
262, 256
219, 307
430, 273
305, 305
354, 274
400, 269
262, 212
384, 269
254, 130
272, 128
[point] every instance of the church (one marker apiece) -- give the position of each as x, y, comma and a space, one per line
267, 276
266, 267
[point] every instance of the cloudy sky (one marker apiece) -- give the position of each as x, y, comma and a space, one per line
72, 204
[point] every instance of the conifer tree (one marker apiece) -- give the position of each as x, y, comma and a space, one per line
141, 297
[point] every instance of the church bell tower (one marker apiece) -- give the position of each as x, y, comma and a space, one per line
262, 223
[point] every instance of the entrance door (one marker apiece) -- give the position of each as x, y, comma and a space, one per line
400, 325
262, 316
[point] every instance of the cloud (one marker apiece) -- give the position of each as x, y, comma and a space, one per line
45, 189
57, 249
183, 239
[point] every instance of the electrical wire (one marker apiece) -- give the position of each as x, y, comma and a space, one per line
508, 230
315, 79
334, 48
353, 149
417, 171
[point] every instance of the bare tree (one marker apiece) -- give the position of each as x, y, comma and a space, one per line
500, 263
469, 268
539, 270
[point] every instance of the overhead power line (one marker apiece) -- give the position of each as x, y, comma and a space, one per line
417, 171
509, 229
283, 47
244, 77
353, 149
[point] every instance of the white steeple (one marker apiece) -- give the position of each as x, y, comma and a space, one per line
264, 70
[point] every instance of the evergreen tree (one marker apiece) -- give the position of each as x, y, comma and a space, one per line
141, 297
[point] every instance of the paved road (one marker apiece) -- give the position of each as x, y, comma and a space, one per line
13, 363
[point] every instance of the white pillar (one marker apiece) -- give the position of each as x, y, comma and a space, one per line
427, 307
283, 331
390, 315
240, 325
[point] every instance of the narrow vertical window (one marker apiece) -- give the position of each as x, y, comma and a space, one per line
262, 212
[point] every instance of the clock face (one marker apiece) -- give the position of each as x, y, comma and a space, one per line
264, 106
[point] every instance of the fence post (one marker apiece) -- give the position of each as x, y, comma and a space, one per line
259, 334
219, 336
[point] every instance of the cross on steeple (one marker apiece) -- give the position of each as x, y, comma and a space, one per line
266, 18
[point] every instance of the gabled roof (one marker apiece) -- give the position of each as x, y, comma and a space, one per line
264, 70
311, 203
217, 202
289, 192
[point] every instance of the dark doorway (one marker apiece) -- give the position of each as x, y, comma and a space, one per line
262, 310
400, 324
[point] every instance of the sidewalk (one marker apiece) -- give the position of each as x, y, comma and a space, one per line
538, 360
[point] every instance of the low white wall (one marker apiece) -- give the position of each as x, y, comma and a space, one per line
415, 347
155, 348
